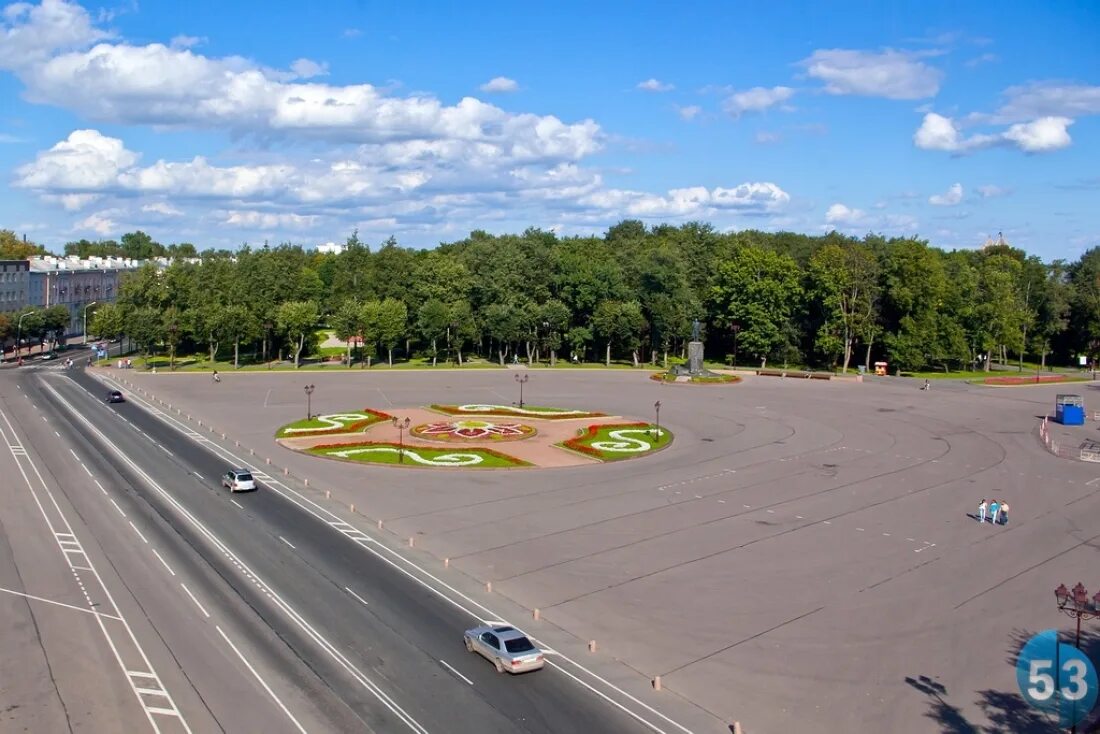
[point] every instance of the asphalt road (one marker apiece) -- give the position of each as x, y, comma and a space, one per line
335, 637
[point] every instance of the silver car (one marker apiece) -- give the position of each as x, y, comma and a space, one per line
506, 647
238, 480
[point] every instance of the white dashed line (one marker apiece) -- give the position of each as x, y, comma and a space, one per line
261, 680
238, 504
137, 531
87, 470
827, 522
74, 454
201, 609
57, 434
118, 508
860, 529
361, 599
460, 675
287, 542
159, 558
101, 489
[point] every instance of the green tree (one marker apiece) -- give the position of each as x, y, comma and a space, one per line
621, 322
1084, 282
555, 318
145, 326
108, 322
140, 246
348, 323
759, 290
432, 321
297, 320
14, 248
172, 325
462, 329
844, 283
241, 324
7, 329
390, 325
502, 324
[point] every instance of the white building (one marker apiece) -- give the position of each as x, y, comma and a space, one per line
14, 284
76, 283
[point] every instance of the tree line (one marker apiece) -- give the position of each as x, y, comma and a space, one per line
823, 301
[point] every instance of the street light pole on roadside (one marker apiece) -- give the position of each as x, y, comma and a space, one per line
309, 401
86, 307
1075, 603
522, 380
401, 426
657, 408
19, 333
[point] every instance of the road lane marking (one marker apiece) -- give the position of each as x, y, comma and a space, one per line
449, 667
118, 508
287, 542
101, 489
84, 466
61, 604
361, 599
378, 550
74, 454
135, 527
57, 434
261, 680
201, 609
161, 559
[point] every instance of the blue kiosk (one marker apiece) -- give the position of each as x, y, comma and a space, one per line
1069, 410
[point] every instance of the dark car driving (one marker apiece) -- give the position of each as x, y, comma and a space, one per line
115, 396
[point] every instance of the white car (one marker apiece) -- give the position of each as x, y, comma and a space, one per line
505, 647
238, 480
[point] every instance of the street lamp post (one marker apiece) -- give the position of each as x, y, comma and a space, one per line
86, 307
1075, 603
19, 333
522, 380
309, 400
401, 426
657, 409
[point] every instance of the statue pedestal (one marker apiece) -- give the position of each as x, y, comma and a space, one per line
695, 358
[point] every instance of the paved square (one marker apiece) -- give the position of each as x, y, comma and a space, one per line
797, 559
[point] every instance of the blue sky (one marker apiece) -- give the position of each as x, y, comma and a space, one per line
222, 123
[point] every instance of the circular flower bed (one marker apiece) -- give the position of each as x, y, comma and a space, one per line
473, 429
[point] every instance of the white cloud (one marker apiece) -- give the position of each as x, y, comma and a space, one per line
85, 161
1038, 136
986, 58
1048, 99
183, 41
499, 84
308, 69
162, 208
765, 137
952, 197
74, 202
29, 34
889, 73
100, 223
843, 215
991, 191
158, 85
756, 99
747, 198
268, 220
654, 85
1042, 135
689, 112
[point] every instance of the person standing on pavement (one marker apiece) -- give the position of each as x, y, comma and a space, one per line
995, 511
1004, 512
981, 510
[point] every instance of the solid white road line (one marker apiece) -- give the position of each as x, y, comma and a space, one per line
201, 609
287, 542
238, 504
137, 531
60, 604
377, 549
161, 559
460, 675
361, 599
261, 680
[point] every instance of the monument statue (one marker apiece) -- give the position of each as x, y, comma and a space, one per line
695, 330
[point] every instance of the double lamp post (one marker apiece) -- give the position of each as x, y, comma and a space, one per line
1076, 603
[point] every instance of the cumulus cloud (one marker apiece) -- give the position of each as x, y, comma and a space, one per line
991, 191
840, 214
654, 85
30, 33
184, 41
1038, 136
689, 112
163, 208
748, 198
1048, 99
500, 84
889, 73
85, 161
756, 99
100, 223
268, 220
308, 69
952, 197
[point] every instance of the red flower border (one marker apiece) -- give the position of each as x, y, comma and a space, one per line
1019, 380
590, 433
452, 438
376, 416
509, 413
391, 444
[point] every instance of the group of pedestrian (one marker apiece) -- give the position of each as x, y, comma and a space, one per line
995, 510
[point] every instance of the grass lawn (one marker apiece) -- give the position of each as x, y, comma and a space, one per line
391, 453
699, 379
617, 441
351, 421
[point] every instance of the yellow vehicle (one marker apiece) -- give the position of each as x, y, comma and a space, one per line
880, 368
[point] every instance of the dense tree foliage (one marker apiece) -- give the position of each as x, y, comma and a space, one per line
633, 293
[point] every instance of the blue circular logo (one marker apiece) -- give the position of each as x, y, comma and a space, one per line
1056, 678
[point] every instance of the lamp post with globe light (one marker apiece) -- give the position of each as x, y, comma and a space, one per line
309, 400
401, 426
1076, 603
522, 380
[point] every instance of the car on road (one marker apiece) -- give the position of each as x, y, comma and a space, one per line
238, 480
115, 396
506, 647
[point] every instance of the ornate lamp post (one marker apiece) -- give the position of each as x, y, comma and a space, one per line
657, 409
309, 400
84, 339
401, 426
522, 380
1075, 603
